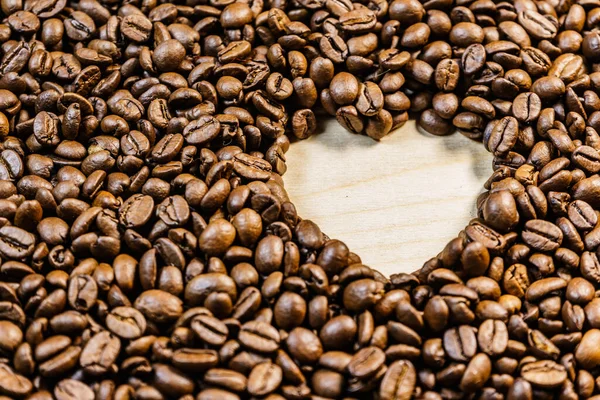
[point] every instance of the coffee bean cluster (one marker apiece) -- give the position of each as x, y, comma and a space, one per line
149, 249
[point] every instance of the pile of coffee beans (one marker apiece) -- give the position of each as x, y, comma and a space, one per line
149, 250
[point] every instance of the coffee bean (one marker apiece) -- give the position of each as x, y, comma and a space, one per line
366, 362
194, 360
289, 311
210, 330
587, 158
16, 243
526, 107
543, 287
586, 353
579, 291
338, 333
545, 374
12, 334
136, 27
473, 59
126, 322
83, 292
582, 215
304, 346
70, 389
542, 235
264, 379
99, 353
79, 26
432, 123
169, 380
477, 373
361, 294
259, 336
399, 381
159, 306
229, 379
460, 343
252, 168
344, 88
370, 99
136, 211
198, 289
168, 55
536, 25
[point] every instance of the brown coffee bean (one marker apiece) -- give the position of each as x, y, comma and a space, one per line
289, 310
536, 25
542, 235
503, 136
584, 354
264, 379
159, 306
344, 88
460, 343
304, 346
99, 353
259, 336
433, 123
70, 389
136, 211
217, 237
194, 360
399, 381
545, 374
136, 27
477, 373
126, 322
526, 107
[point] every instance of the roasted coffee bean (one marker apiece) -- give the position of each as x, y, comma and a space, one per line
16, 243
586, 354
399, 381
366, 362
477, 373
79, 26
159, 306
460, 343
136, 211
264, 379
71, 389
537, 25
587, 158
473, 59
503, 136
99, 353
259, 336
304, 345
433, 123
542, 235
344, 88
545, 374
526, 107
136, 27
126, 322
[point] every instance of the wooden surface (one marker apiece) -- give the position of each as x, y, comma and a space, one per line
396, 202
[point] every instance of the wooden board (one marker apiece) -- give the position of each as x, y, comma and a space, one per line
396, 202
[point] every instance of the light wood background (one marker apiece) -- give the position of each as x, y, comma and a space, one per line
396, 202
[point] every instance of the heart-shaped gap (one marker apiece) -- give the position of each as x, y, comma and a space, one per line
396, 203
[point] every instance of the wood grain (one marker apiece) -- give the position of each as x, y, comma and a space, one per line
396, 202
